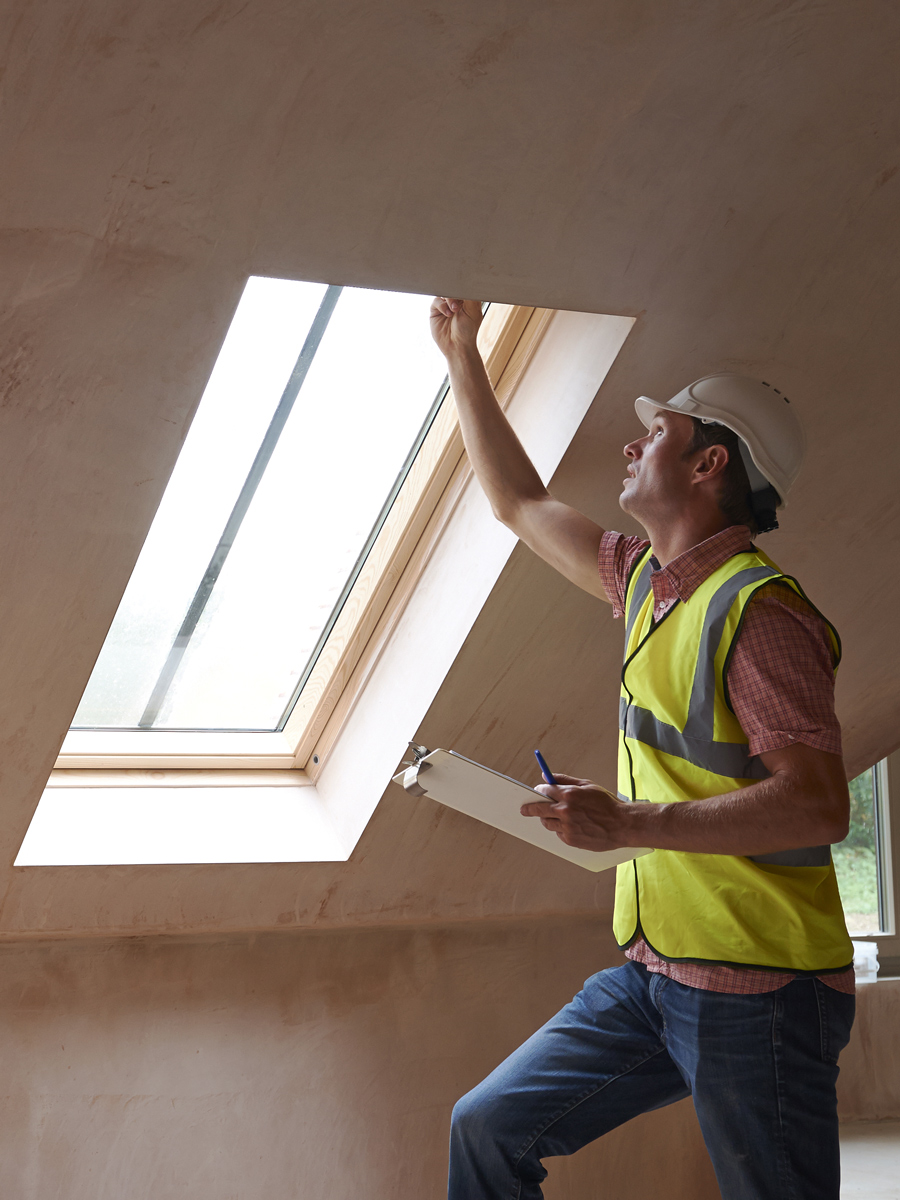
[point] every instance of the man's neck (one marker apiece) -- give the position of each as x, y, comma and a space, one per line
674, 538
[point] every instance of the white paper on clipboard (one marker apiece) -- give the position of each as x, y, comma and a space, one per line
488, 796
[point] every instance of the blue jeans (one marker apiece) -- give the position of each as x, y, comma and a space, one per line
761, 1069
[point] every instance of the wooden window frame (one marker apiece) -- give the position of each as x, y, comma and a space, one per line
508, 338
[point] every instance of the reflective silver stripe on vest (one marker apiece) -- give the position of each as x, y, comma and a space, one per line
696, 744
731, 759
811, 856
702, 712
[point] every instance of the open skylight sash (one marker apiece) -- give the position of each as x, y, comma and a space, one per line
373, 382
278, 509
241, 506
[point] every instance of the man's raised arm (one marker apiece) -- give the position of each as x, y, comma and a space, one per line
562, 536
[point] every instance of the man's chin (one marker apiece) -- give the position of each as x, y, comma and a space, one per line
631, 504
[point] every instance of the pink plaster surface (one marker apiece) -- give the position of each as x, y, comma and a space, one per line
321, 1067
870, 1066
730, 177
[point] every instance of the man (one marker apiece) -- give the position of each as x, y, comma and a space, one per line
738, 989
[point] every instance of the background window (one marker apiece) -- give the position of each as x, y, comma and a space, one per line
860, 859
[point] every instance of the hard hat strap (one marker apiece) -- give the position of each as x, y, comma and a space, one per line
758, 481
764, 498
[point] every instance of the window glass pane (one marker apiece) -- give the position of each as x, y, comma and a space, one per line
371, 384
856, 859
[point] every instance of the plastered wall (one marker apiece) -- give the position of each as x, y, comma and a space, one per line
318, 1066
870, 1066
727, 175
296, 1065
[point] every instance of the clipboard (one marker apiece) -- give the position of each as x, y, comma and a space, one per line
488, 796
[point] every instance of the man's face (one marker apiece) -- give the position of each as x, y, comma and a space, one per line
659, 476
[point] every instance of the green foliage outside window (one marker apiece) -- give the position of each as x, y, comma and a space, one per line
856, 861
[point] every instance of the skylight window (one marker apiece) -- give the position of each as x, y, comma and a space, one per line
311, 418
249, 706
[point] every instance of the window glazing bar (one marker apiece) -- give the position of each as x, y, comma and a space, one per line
232, 526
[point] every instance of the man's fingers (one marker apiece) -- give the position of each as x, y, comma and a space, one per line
538, 808
448, 304
552, 790
546, 812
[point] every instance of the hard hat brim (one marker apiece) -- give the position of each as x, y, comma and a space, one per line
646, 409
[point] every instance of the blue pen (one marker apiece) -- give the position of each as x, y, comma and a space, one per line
545, 770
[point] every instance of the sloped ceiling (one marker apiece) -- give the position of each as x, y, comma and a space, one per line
728, 173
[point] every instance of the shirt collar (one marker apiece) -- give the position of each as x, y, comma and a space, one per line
686, 572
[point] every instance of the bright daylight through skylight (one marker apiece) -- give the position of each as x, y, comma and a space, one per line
270, 509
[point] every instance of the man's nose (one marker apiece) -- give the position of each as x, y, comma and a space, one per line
632, 450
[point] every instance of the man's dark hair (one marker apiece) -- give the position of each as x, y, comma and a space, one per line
734, 498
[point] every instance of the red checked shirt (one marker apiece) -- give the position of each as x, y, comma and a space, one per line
781, 687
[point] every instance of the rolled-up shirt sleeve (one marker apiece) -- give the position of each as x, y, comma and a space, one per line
781, 677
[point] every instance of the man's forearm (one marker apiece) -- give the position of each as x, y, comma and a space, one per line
761, 819
563, 537
501, 465
804, 802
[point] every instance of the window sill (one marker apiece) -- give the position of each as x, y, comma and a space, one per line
142, 817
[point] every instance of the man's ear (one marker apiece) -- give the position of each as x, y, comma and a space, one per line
712, 463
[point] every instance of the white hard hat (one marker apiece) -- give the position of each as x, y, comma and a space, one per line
771, 438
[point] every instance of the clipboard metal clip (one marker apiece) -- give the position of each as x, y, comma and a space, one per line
418, 753
411, 774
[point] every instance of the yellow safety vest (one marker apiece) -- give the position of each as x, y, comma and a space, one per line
680, 740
